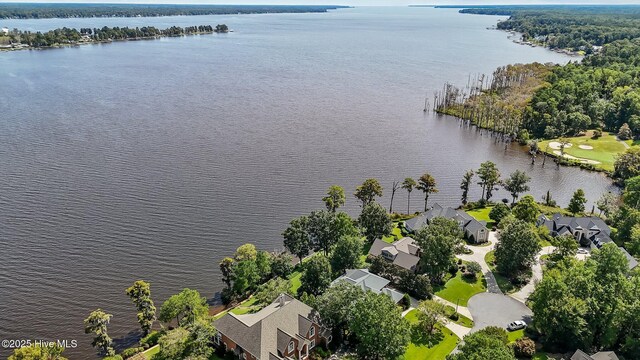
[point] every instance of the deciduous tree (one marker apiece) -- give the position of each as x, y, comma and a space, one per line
335, 198
140, 294
441, 237
517, 249
346, 254
97, 323
375, 221
296, 237
489, 177
427, 184
368, 191
516, 184
186, 307
316, 276
576, 204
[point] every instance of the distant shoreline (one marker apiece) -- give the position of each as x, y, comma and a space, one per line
23, 11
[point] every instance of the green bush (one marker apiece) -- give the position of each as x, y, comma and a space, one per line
115, 357
151, 339
127, 353
524, 347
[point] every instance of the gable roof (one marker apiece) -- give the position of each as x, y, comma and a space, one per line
466, 221
602, 355
369, 282
263, 333
633, 263
406, 250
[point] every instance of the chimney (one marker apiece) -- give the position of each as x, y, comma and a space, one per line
281, 300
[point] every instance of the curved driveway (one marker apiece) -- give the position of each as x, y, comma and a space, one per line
489, 309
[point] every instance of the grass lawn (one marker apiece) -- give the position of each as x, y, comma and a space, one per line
462, 289
540, 356
434, 347
396, 234
605, 149
295, 281
150, 352
462, 320
482, 214
515, 335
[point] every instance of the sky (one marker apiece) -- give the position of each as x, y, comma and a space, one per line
345, 2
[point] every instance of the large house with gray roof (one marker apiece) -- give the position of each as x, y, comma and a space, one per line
583, 229
475, 231
602, 355
285, 329
369, 282
404, 253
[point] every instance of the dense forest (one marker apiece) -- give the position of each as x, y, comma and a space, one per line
64, 36
568, 27
43, 11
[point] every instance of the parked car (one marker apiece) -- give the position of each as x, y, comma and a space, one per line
583, 251
516, 325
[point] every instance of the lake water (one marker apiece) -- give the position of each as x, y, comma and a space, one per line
155, 159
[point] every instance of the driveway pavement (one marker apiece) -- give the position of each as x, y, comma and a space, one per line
478, 255
490, 309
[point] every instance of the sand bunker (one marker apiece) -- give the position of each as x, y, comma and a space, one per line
584, 161
585, 147
556, 145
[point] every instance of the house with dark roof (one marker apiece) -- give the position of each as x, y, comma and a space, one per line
602, 355
369, 282
584, 229
285, 329
404, 253
475, 231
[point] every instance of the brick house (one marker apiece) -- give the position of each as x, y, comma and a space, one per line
285, 329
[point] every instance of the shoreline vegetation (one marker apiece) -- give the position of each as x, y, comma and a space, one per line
58, 10
25, 40
542, 104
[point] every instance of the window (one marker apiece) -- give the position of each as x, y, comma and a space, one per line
312, 331
313, 344
291, 346
244, 356
217, 338
329, 338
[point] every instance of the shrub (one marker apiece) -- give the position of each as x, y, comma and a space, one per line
524, 347
473, 268
320, 352
127, 353
406, 301
151, 339
596, 134
114, 357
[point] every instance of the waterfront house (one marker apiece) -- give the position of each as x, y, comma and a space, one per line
369, 282
404, 253
584, 229
285, 329
475, 231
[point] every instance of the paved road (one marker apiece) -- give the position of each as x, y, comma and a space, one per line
478, 255
536, 275
490, 309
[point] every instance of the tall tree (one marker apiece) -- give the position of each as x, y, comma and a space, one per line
430, 314
516, 184
441, 237
607, 204
375, 221
185, 307
226, 268
631, 194
394, 188
489, 177
368, 191
246, 276
378, 325
140, 294
346, 254
488, 343
526, 209
464, 186
335, 198
409, 184
325, 228
316, 276
627, 165
334, 305
427, 184
517, 249
174, 344
97, 323
576, 204
296, 237
246, 252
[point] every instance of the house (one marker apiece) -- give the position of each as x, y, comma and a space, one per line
602, 355
475, 231
588, 228
285, 329
369, 282
404, 253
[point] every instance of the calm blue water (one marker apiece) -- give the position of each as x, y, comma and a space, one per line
155, 159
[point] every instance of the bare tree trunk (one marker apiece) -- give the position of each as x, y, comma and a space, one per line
394, 188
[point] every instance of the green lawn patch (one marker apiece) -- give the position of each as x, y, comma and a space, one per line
551, 210
295, 281
460, 288
605, 149
540, 356
515, 335
482, 214
151, 352
462, 320
434, 347
396, 234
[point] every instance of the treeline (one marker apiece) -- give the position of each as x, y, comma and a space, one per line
66, 35
45, 11
569, 27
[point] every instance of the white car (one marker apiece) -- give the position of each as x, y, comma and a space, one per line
516, 325
583, 251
